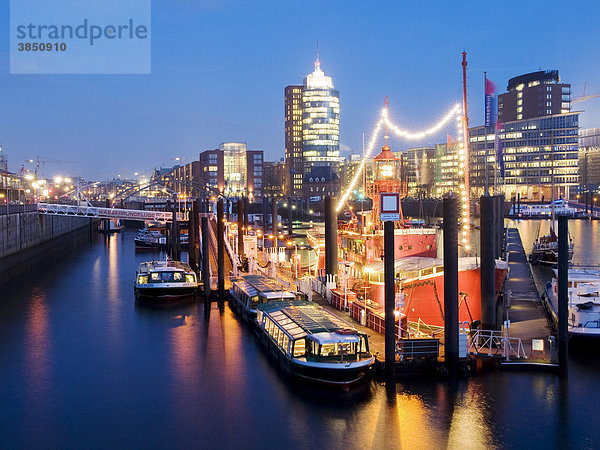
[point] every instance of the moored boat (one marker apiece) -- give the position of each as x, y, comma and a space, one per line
165, 281
249, 291
313, 345
583, 301
421, 283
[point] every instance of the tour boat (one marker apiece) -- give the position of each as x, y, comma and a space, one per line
248, 291
165, 281
560, 206
313, 345
583, 300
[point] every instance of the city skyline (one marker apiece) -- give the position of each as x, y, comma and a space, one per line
206, 88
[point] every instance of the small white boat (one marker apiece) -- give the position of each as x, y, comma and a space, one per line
583, 301
561, 207
165, 281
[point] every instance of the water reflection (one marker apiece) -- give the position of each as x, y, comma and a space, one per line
89, 365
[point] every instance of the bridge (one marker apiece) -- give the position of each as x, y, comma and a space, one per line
107, 213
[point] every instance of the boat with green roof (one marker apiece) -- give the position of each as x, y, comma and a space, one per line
312, 344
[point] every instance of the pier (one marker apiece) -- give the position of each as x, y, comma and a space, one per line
525, 311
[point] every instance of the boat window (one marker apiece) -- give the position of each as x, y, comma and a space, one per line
345, 348
364, 348
427, 271
280, 338
254, 302
155, 276
328, 350
299, 348
284, 343
177, 276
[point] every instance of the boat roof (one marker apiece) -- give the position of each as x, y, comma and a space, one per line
307, 317
163, 266
411, 263
334, 338
579, 274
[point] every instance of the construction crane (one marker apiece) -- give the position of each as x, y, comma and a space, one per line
38, 161
584, 97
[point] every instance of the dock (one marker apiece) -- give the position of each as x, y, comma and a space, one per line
526, 312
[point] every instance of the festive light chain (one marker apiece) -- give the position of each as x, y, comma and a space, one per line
455, 111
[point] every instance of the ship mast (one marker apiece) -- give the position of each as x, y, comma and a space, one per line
466, 197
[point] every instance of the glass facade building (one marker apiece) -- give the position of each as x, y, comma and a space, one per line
320, 122
536, 153
234, 164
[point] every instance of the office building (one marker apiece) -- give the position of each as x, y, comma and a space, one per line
589, 160
274, 174
312, 124
293, 140
532, 95
420, 164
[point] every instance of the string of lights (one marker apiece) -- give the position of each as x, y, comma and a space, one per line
454, 112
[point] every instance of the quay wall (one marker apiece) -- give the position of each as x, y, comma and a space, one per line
29, 239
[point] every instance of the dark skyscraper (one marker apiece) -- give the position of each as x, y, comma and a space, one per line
535, 94
293, 140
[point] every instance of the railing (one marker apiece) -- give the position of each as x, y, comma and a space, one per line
417, 348
496, 343
106, 213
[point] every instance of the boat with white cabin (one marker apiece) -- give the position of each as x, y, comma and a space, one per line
165, 281
583, 300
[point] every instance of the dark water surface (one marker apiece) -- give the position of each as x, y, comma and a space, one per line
81, 365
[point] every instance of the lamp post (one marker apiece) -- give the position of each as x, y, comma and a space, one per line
594, 206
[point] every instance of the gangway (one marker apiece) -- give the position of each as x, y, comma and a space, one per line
106, 213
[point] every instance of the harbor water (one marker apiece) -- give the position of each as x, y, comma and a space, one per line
83, 366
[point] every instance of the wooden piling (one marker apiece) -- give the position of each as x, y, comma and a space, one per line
563, 294
488, 264
450, 207
205, 259
390, 298
220, 249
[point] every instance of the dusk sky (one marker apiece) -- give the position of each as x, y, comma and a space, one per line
219, 69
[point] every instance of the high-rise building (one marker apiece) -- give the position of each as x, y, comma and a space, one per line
534, 94
274, 178
537, 153
293, 140
316, 103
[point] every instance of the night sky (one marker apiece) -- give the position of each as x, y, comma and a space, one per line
219, 69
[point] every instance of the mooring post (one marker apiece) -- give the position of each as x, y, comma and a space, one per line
450, 212
240, 214
220, 249
331, 249
274, 216
205, 259
193, 262
246, 210
563, 294
168, 232
518, 204
499, 199
290, 216
390, 299
488, 263
196, 232
176, 238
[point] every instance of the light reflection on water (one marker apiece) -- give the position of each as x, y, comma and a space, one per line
82, 365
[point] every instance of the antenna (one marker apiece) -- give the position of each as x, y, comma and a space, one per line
317, 61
